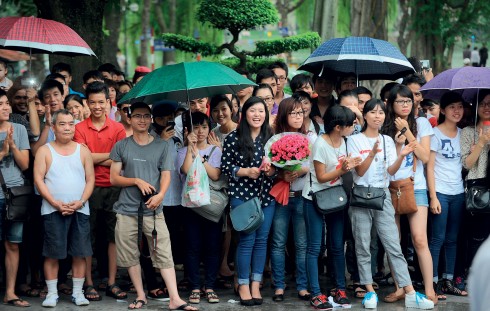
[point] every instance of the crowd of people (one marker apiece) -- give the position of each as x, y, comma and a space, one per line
110, 176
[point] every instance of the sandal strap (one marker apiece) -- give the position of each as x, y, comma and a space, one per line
195, 295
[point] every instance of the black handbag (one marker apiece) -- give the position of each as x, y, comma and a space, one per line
477, 196
369, 197
17, 201
329, 200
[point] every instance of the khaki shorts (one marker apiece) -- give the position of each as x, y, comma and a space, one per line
128, 253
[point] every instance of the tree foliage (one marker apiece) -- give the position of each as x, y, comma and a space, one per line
288, 44
236, 16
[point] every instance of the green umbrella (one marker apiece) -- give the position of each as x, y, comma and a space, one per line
186, 81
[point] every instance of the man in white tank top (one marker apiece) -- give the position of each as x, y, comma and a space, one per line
64, 176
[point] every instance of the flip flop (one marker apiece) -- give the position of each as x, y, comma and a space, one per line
135, 304
17, 302
183, 307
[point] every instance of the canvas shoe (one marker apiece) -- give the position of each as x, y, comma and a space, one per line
418, 301
370, 301
50, 301
80, 300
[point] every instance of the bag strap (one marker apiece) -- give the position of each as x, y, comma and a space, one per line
3, 184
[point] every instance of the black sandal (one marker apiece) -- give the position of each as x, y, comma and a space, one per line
115, 292
91, 293
135, 304
449, 288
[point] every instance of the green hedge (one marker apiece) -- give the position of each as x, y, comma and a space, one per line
253, 64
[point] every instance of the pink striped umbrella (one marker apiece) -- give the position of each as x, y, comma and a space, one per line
37, 36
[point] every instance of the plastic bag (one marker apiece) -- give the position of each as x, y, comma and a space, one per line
195, 192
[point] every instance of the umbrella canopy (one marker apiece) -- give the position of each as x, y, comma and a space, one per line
368, 58
187, 81
466, 80
37, 35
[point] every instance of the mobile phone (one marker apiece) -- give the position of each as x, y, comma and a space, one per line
170, 126
425, 64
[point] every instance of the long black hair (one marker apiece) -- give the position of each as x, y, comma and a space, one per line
370, 105
245, 142
389, 127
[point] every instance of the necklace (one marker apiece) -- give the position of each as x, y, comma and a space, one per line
335, 149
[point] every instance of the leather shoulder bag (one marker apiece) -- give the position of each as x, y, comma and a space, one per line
17, 200
477, 195
403, 193
331, 199
248, 216
369, 197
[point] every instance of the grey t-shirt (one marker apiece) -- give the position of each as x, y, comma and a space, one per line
144, 162
10, 171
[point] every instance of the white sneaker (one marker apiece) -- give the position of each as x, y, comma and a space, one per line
370, 301
418, 301
80, 300
50, 301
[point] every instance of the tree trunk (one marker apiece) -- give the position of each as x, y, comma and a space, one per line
325, 19
168, 57
145, 22
112, 17
83, 16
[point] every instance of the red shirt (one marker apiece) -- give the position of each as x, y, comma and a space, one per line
100, 141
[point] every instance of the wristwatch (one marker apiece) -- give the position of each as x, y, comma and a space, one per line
83, 202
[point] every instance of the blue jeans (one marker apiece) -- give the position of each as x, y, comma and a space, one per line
335, 225
252, 248
202, 236
280, 226
445, 229
11, 231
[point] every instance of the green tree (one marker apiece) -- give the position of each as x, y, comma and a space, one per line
236, 16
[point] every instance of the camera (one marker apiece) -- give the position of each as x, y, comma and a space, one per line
146, 197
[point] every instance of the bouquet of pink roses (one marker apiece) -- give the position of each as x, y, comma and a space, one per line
288, 151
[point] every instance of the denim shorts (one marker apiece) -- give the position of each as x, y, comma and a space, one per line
66, 235
10, 231
421, 198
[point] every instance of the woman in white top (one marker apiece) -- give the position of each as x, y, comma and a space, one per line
400, 114
221, 112
330, 163
447, 199
380, 159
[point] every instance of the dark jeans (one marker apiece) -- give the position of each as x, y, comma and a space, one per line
445, 228
314, 225
202, 235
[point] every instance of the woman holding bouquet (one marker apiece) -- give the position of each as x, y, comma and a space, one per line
400, 114
330, 161
290, 118
250, 176
380, 159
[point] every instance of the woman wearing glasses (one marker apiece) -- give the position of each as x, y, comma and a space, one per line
401, 116
264, 92
290, 118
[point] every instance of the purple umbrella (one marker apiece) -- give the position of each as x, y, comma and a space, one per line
466, 80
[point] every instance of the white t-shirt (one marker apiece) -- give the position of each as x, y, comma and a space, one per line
377, 174
331, 157
448, 164
406, 169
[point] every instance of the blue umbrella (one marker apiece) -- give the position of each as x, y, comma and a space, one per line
367, 58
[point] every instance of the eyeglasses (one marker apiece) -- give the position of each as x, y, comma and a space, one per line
267, 99
484, 104
146, 117
403, 102
282, 78
296, 114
